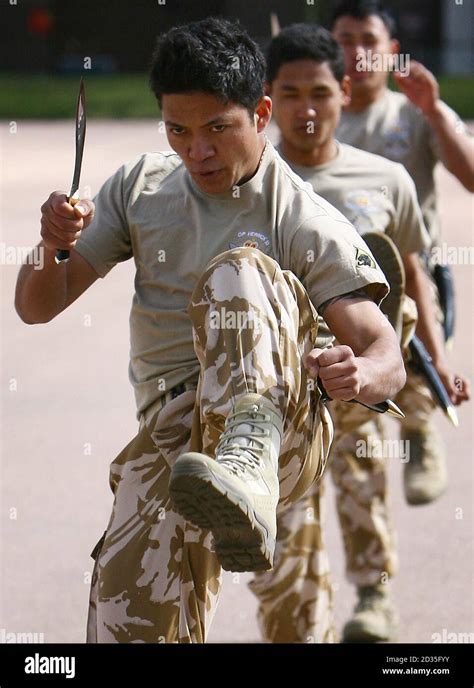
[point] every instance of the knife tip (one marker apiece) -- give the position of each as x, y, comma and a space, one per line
394, 410
453, 416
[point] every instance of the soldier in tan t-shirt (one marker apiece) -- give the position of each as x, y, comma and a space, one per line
413, 127
235, 257
417, 129
306, 81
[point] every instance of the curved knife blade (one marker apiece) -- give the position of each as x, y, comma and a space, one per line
387, 406
63, 256
422, 362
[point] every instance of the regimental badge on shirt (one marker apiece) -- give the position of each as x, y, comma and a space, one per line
364, 259
362, 201
367, 210
397, 141
251, 240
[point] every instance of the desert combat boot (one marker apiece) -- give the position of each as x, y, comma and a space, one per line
425, 476
236, 494
374, 619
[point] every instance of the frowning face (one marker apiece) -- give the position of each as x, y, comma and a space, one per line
220, 143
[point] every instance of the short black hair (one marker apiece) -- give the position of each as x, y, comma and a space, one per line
214, 56
361, 9
304, 42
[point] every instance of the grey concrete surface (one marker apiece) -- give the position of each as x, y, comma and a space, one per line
67, 409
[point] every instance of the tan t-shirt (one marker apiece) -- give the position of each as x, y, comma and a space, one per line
394, 128
151, 210
375, 194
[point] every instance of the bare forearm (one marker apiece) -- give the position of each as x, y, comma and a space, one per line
427, 329
41, 293
360, 325
457, 149
382, 371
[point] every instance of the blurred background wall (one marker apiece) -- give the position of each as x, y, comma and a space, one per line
50, 39
54, 35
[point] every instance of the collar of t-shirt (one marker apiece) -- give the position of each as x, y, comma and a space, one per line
380, 104
305, 171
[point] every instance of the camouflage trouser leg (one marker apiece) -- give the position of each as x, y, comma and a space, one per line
253, 322
296, 595
416, 401
359, 474
303, 615
358, 469
156, 577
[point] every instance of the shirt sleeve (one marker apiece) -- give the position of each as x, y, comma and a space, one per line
409, 231
330, 258
107, 241
460, 126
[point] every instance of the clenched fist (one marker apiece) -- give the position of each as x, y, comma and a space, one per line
62, 223
338, 369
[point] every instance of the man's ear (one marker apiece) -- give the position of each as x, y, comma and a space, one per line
346, 89
263, 113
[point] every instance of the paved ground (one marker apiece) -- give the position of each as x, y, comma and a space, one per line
67, 410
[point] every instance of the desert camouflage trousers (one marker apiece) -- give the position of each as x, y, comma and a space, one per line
358, 467
156, 577
359, 470
296, 595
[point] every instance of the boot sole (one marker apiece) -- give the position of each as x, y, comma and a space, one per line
359, 635
241, 542
418, 496
418, 499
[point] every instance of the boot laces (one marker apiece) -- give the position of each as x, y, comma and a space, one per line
238, 456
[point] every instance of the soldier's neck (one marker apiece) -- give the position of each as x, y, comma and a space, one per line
362, 100
317, 156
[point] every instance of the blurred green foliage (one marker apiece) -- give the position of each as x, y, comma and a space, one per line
128, 95
55, 97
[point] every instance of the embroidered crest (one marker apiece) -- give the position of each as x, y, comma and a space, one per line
250, 239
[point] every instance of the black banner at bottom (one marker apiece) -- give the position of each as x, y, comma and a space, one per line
371, 665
